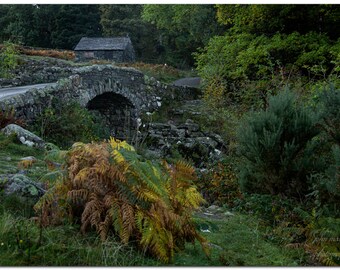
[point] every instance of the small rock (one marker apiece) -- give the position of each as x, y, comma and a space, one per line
229, 214
29, 143
215, 246
215, 209
25, 136
29, 158
21, 185
22, 139
212, 208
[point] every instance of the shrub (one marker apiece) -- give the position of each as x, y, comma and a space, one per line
274, 210
326, 184
8, 59
8, 117
277, 147
219, 184
63, 124
321, 237
109, 187
162, 72
330, 104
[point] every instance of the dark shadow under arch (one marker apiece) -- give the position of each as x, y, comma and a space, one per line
119, 113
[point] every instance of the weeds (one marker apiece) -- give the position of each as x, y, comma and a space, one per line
161, 72
61, 54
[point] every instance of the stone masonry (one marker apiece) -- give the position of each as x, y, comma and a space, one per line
116, 92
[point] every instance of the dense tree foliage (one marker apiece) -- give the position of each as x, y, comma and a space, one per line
269, 19
51, 26
267, 41
123, 20
73, 22
183, 28
160, 33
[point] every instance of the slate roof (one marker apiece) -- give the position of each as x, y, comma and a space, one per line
102, 44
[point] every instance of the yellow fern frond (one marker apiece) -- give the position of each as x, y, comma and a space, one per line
118, 144
82, 176
139, 220
78, 145
193, 197
26, 163
117, 156
326, 259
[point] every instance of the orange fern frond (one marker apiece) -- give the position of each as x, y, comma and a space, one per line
128, 222
26, 163
78, 195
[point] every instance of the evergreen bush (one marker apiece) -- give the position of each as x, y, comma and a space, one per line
326, 184
277, 147
330, 108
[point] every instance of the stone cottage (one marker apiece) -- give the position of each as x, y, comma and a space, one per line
118, 49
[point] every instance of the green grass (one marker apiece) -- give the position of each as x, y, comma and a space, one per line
23, 243
11, 153
163, 73
51, 59
235, 241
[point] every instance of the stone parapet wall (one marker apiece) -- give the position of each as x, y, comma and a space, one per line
37, 71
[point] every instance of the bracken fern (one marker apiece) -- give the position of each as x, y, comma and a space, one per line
109, 187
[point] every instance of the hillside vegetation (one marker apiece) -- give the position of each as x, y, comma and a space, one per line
270, 89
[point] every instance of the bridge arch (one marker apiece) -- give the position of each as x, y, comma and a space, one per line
119, 113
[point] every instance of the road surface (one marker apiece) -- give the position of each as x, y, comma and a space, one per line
12, 91
190, 82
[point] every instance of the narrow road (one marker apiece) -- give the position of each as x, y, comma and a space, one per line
189, 81
12, 91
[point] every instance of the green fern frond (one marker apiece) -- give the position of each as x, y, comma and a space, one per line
56, 155
53, 176
139, 220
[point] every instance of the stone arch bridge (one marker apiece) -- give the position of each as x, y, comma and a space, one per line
119, 94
